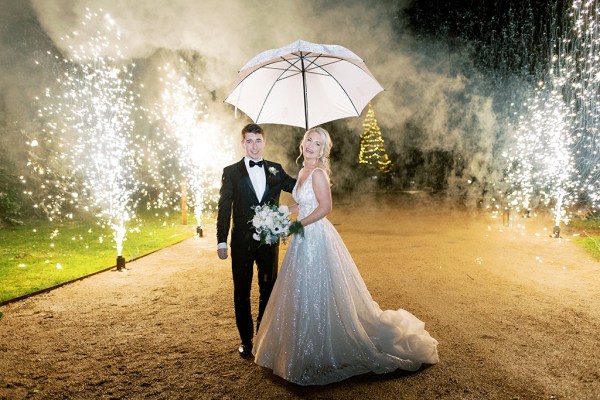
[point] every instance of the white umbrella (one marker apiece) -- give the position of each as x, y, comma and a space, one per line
304, 84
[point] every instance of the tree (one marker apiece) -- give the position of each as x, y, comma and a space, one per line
372, 147
10, 193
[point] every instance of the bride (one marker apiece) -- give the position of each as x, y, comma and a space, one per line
321, 324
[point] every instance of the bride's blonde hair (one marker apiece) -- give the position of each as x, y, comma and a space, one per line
326, 146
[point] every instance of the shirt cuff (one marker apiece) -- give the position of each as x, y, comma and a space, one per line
222, 245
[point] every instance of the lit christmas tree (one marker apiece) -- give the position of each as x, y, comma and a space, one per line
372, 149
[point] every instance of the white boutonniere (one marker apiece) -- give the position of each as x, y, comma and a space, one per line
273, 171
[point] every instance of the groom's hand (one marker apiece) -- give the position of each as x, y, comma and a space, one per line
222, 253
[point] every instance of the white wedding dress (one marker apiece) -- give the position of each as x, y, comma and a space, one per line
321, 324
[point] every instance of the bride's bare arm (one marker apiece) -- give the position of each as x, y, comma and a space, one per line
322, 189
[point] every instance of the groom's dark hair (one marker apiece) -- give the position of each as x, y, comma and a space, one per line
252, 128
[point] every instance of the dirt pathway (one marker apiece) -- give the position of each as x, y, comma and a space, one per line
517, 315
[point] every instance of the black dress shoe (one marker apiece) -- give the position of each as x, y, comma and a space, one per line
245, 350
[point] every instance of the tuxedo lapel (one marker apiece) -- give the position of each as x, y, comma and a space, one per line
267, 183
245, 177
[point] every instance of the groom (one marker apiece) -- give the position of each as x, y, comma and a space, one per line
250, 182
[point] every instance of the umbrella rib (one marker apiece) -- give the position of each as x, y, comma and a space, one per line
271, 88
276, 60
290, 67
317, 66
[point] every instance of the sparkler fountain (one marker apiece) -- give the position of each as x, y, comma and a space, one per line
88, 127
577, 71
555, 155
203, 149
541, 166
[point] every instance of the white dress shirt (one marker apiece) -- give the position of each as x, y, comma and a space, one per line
258, 177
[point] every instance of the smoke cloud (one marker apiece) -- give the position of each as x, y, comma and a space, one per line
217, 37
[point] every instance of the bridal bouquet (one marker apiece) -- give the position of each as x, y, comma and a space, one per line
273, 223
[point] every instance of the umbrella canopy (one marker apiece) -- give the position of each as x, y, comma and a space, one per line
303, 84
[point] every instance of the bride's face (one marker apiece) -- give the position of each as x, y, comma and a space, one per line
312, 146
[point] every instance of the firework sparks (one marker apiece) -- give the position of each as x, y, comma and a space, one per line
577, 71
89, 160
203, 149
90, 155
541, 166
555, 154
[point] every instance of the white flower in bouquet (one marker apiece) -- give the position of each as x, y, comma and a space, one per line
271, 223
284, 209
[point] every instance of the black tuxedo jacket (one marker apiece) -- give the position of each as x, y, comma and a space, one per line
237, 199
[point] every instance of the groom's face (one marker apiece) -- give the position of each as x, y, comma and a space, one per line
254, 143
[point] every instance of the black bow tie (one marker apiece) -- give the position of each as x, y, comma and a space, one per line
253, 163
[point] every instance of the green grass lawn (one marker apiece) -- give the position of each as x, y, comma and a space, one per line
43, 254
589, 235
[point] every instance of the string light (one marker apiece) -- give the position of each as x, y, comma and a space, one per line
372, 147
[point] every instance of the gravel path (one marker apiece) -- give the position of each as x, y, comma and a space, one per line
517, 315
